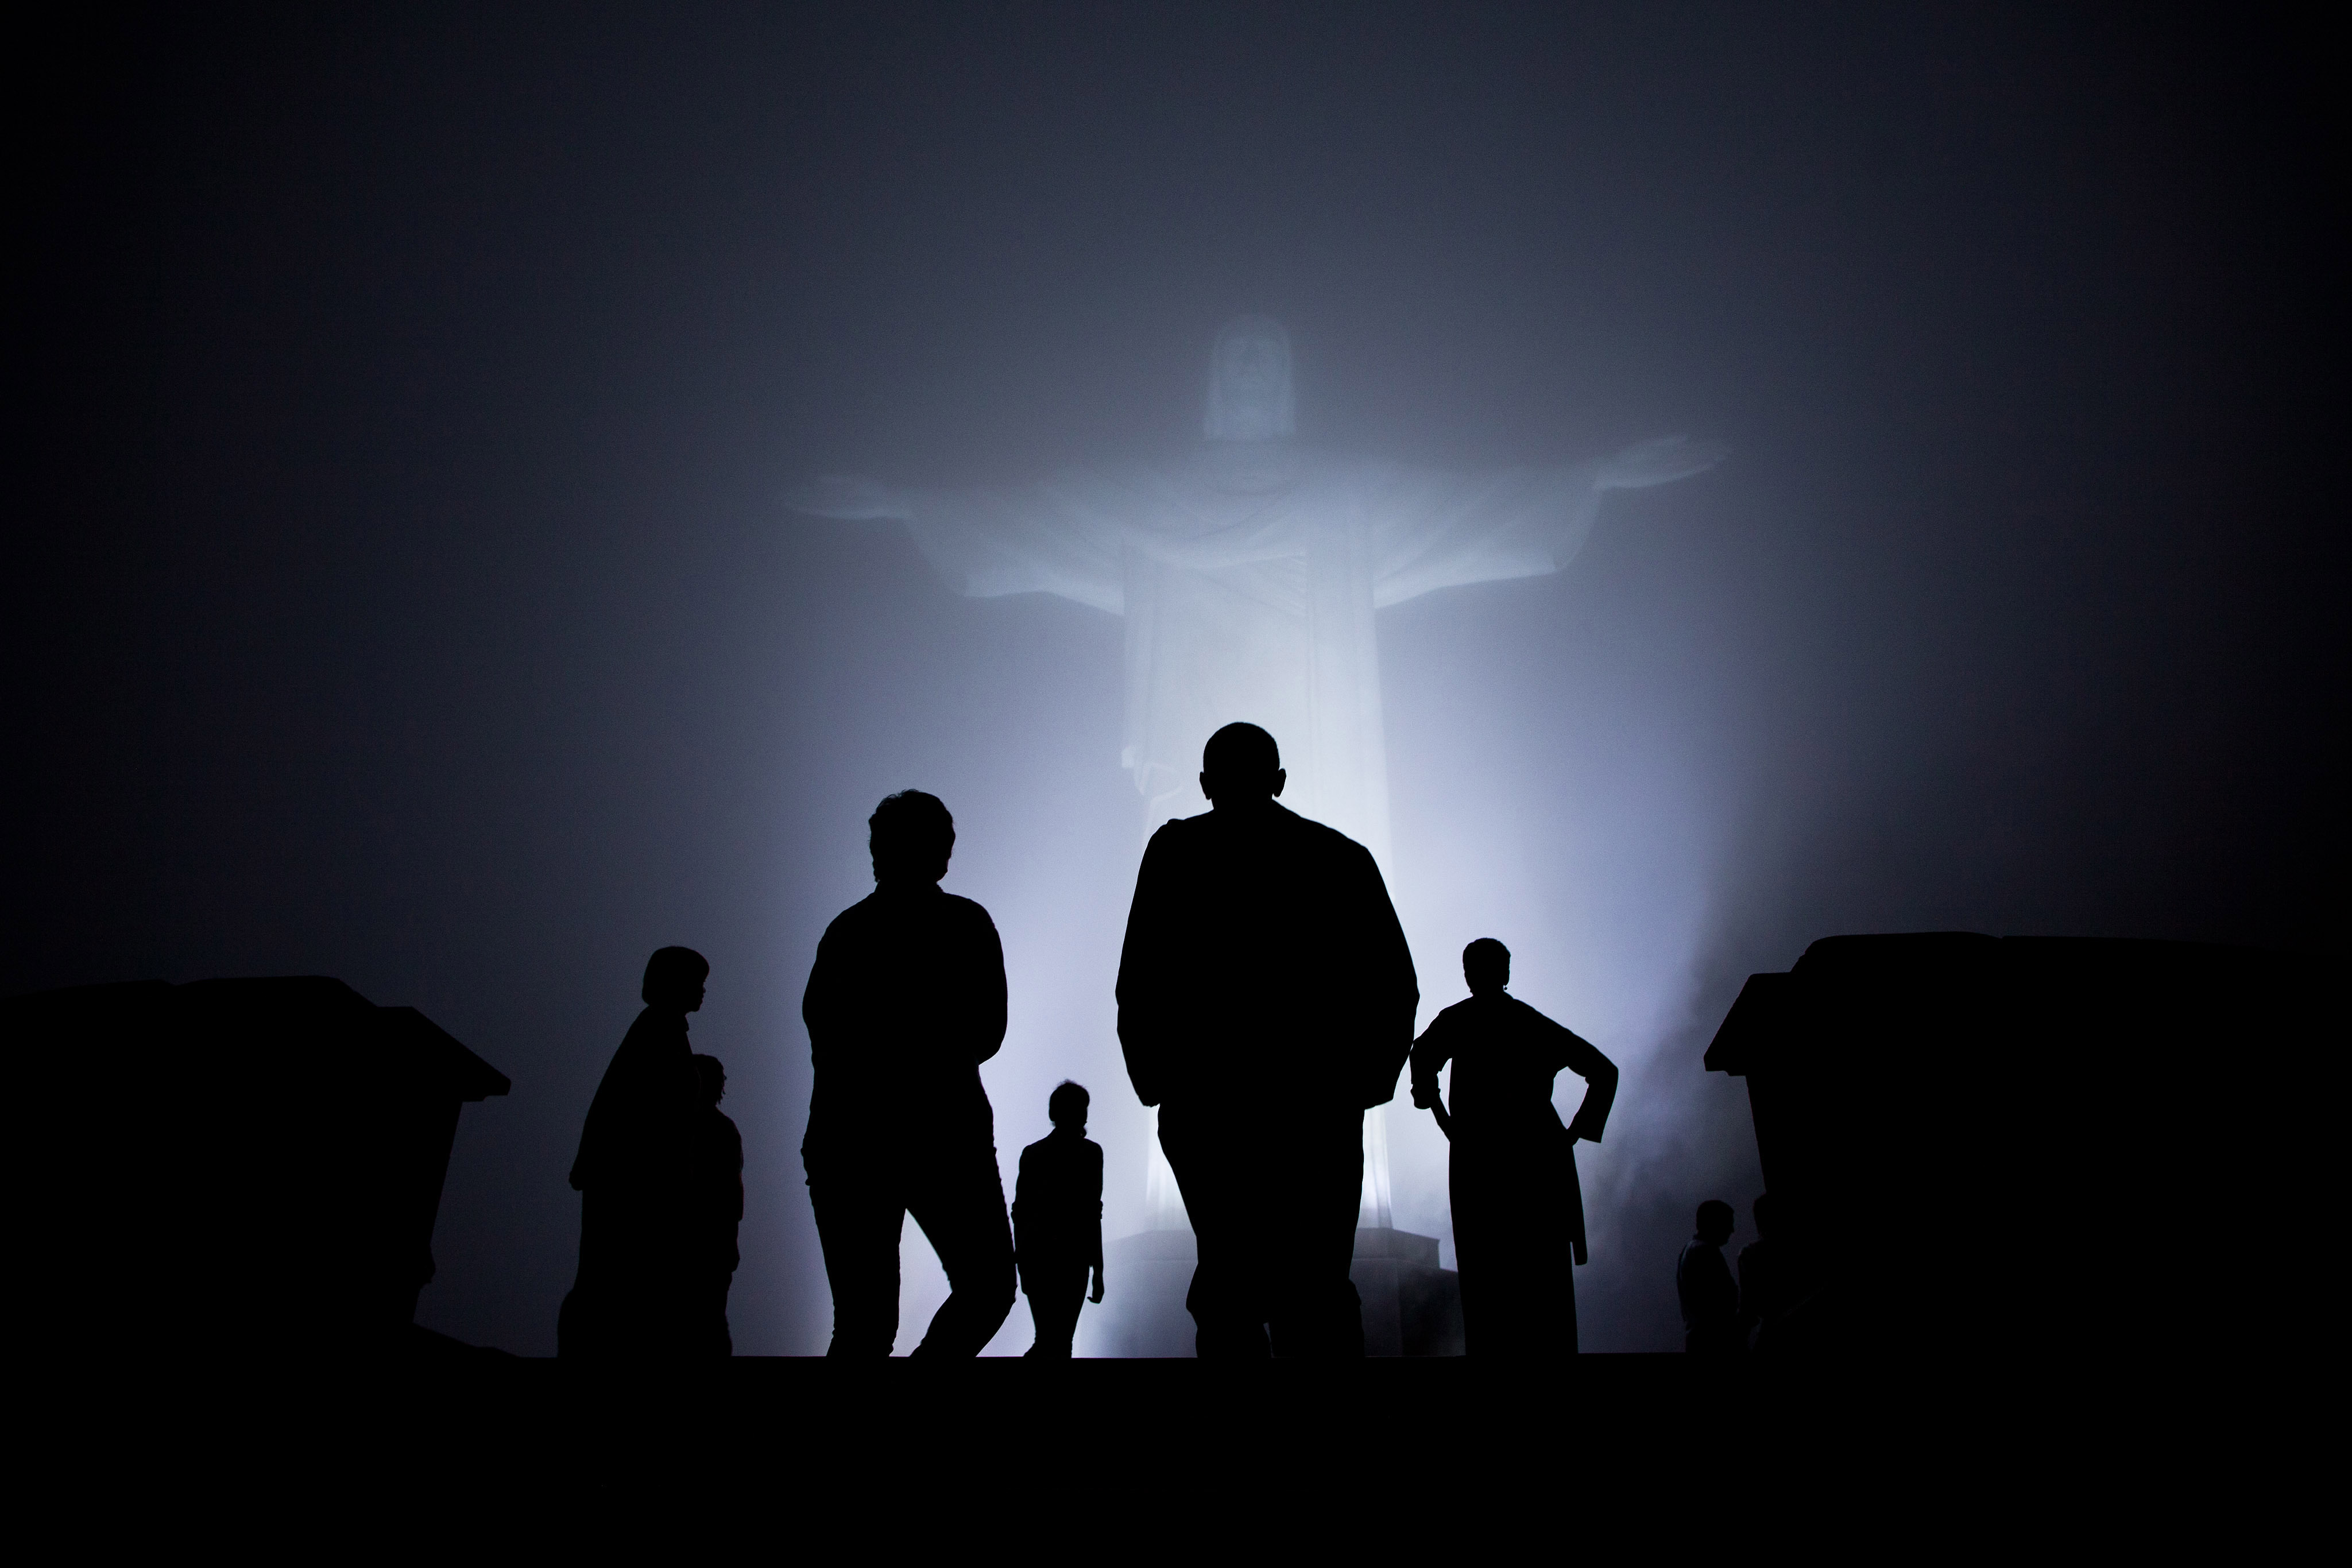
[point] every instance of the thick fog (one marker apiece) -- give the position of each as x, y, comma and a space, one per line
403, 588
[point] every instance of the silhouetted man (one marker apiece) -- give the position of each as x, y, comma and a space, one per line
1058, 1222
718, 1206
635, 1173
1265, 999
1758, 1293
1710, 1302
1518, 1210
905, 1003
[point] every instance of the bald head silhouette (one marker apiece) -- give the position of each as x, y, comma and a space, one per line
1241, 768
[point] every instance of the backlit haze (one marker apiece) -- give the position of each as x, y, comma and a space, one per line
404, 591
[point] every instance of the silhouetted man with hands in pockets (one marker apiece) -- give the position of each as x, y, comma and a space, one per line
1265, 999
638, 1178
1518, 1211
905, 1001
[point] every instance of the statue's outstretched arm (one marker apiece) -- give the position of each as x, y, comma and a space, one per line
1659, 461
849, 497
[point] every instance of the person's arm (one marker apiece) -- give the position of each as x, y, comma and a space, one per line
819, 1003
989, 993
1388, 990
1581, 1056
1726, 1289
1431, 1052
1142, 993
1098, 1162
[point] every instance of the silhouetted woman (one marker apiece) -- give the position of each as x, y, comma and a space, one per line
638, 1172
1518, 1213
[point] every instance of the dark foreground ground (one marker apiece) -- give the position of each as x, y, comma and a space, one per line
1096, 1461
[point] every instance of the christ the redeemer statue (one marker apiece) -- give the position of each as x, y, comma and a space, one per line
1248, 571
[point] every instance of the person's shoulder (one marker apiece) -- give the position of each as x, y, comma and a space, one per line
855, 915
1330, 843
1177, 830
1040, 1148
1524, 1015
966, 912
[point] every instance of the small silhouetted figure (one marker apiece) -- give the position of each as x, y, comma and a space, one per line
718, 1206
1758, 1287
1518, 1210
905, 1001
1058, 1222
1703, 1281
638, 1176
1265, 999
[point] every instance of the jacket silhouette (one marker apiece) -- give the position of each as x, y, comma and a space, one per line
1518, 1210
905, 1002
1057, 1223
635, 1296
1266, 998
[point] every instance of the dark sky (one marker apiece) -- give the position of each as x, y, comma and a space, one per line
398, 589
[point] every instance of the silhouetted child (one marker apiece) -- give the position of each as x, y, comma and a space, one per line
1058, 1222
1710, 1299
718, 1211
1759, 1292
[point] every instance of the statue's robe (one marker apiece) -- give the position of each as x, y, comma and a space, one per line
1248, 574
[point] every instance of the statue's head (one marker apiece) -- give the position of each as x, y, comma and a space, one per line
1249, 382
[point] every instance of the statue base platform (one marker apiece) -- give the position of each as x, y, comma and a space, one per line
1412, 1307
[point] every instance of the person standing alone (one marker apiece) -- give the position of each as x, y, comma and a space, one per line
1058, 1222
1518, 1210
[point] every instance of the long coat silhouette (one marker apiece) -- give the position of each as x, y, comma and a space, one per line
1266, 998
635, 1172
1519, 1209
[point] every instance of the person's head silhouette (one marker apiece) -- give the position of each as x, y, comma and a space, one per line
1486, 966
674, 978
1067, 1107
713, 1074
1715, 1222
910, 835
1241, 768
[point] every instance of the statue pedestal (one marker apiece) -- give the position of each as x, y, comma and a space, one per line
1412, 1307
